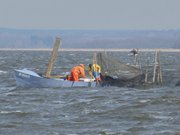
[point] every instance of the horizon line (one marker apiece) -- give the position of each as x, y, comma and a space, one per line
76, 29
93, 50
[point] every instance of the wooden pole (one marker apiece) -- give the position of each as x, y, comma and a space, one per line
159, 70
95, 62
146, 75
53, 57
161, 78
154, 72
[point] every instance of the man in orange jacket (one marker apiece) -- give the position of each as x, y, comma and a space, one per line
77, 71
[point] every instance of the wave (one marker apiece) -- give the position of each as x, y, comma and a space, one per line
3, 72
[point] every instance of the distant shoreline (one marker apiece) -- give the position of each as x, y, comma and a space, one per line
90, 50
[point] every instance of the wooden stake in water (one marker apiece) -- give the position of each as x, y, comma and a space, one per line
146, 75
154, 72
157, 66
159, 70
53, 57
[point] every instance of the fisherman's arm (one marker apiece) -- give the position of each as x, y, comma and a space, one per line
90, 73
82, 73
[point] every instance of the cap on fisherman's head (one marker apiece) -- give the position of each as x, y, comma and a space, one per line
82, 65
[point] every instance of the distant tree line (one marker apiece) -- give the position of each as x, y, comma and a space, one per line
12, 38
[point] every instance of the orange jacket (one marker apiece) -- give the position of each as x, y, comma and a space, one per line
79, 71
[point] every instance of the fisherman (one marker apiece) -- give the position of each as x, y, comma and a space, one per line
76, 72
94, 71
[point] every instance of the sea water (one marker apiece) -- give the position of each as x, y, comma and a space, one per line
86, 111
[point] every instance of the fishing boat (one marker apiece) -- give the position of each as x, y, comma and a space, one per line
29, 78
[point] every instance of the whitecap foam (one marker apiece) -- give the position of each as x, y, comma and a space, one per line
85, 100
9, 112
144, 101
163, 117
2, 72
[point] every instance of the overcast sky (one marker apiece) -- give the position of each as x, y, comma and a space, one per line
90, 14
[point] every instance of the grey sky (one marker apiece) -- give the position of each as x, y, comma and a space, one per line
90, 14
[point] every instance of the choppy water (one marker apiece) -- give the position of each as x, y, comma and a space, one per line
85, 111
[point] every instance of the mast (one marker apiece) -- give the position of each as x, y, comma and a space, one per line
53, 57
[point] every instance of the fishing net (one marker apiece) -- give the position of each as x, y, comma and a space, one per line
117, 73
